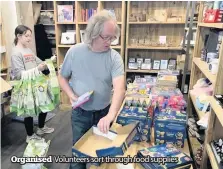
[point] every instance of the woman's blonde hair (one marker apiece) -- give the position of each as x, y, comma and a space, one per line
96, 24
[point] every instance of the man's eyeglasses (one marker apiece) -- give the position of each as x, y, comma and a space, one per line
108, 38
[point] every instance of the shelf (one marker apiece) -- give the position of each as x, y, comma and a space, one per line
211, 25
185, 149
203, 66
155, 48
47, 10
211, 156
192, 42
144, 23
51, 38
195, 144
64, 46
192, 29
85, 23
4, 68
199, 113
116, 47
65, 23
49, 24
217, 109
142, 71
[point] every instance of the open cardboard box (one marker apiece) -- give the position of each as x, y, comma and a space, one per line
97, 144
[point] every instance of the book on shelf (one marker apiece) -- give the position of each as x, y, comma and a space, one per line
87, 13
65, 13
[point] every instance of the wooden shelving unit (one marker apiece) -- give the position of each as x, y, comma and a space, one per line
65, 23
154, 48
199, 113
140, 34
211, 25
61, 27
47, 10
217, 109
47, 7
3, 53
203, 66
142, 71
120, 12
78, 24
199, 70
164, 23
210, 153
64, 46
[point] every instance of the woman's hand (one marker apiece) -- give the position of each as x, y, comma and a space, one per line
42, 66
104, 123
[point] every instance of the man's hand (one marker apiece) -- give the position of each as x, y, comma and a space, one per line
104, 123
73, 98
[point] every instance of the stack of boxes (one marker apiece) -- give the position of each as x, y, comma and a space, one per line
165, 151
131, 113
164, 110
170, 127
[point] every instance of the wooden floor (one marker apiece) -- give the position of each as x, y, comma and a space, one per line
13, 137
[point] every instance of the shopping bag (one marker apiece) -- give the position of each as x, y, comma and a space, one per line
22, 94
16, 91
29, 104
35, 98
36, 148
42, 99
53, 88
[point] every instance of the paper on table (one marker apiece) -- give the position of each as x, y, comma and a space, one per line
109, 135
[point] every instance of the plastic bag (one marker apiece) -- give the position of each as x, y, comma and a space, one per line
36, 148
42, 99
53, 88
33, 166
16, 92
29, 104
22, 94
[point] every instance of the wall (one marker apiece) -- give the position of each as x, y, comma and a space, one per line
25, 13
15, 13
10, 21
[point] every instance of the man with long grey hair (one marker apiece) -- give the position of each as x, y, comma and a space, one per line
93, 65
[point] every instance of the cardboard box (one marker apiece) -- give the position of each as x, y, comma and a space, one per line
168, 151
97, 144
131, 114
4, 87
170, 127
